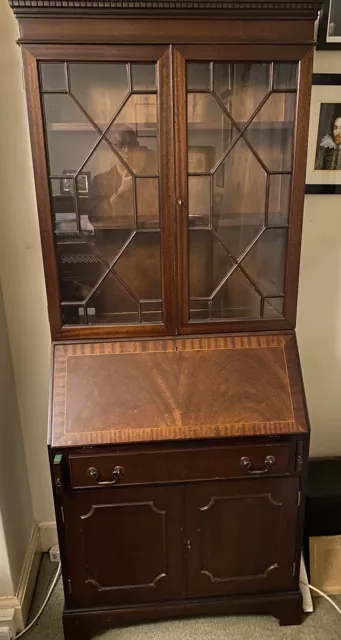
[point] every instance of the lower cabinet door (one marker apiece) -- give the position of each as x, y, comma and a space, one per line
241, 536
124, 545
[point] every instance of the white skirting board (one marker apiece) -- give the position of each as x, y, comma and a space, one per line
14, 609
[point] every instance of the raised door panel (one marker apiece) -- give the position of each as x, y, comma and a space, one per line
124, 545
241, 536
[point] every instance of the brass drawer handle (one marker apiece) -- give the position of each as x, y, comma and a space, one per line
117, 472
269, 462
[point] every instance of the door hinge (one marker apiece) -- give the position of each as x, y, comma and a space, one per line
69, 586
293, 568
62, 514
298, 498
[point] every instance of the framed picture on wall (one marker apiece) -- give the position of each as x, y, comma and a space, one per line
324, 150
329, 31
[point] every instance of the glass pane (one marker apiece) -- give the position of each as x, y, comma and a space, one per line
199, 310
80, 269
209, 263
285, 75
198, 76
99, 88
110, 202
70, 136
279, 200
112, 303
271, 131
241, 87
147, 202
151, 312
210, 132
265, 262
139, 266
236, 299
53, 76
143, 77
199, 198
273, 307
134, 134
73, 314
239, 200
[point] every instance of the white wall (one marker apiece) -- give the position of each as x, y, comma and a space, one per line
21, 267
319, 306
25, 300
16, 513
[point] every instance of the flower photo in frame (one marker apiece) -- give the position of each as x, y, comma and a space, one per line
329, 31
324, 149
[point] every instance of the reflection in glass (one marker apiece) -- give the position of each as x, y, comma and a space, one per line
209, 263
151, 312
198, 76
243, 195
80, 269
210, 132
134, 134
239, 207
139, 266
143, 77
236, 299
73, 314
199, 200
265, 262
271, 131
100, 88
147, 203
279, 199
273, 307
241, 87
199, 310
285, 75
112, 303
110, 203
53, 76
104, 190
70, 136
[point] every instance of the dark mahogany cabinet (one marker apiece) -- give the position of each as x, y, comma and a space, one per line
169, 145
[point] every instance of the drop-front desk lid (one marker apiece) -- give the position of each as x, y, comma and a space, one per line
176, 389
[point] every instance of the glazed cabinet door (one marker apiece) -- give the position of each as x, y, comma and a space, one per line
241, 138
241, 536
124, 545
101, 129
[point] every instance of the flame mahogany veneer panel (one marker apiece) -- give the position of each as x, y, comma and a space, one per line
157, 390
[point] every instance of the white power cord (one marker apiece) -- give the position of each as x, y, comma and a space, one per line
324, 595
48, 596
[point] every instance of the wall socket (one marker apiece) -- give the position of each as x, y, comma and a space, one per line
54, 553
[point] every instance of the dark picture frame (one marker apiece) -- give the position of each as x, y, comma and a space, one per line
329, 37
323, 172
67, 183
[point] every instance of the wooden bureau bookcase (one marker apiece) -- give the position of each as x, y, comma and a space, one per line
169, 144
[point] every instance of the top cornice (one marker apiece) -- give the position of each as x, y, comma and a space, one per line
289, 9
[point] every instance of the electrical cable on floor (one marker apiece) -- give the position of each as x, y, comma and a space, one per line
324, 595
48, 596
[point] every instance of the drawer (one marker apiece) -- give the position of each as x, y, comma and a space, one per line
182, 465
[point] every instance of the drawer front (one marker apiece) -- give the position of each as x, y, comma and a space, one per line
184, 465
